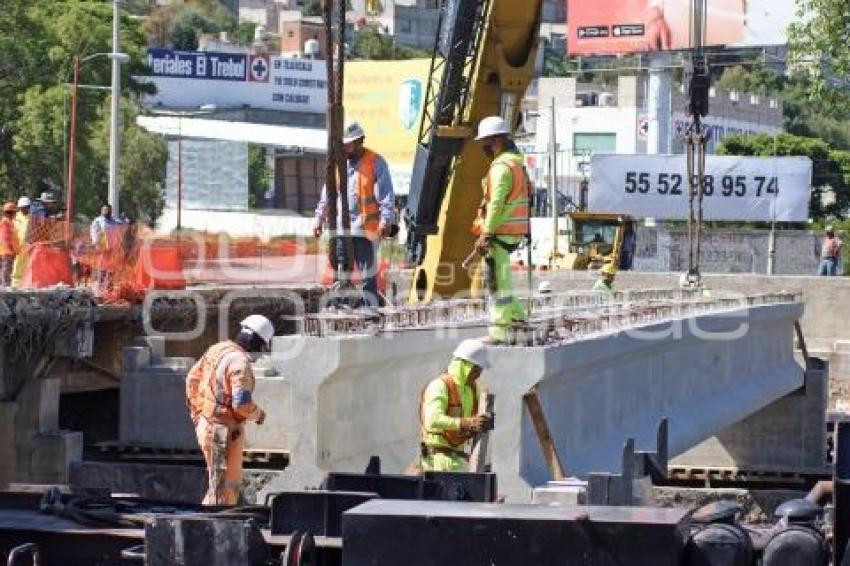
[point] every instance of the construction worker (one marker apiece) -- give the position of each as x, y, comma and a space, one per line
106, 235
22, 225
219, 391
502, 222
605, 283
371, 208
9, 245
448, 412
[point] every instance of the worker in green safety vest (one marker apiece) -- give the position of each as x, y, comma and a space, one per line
605, 283
502, 222
448, 411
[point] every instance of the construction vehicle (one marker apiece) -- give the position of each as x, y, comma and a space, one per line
482, 64
595, 239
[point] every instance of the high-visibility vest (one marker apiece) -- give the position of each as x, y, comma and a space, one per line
215, 389
367, 204
9, 245
516, 224
455, 438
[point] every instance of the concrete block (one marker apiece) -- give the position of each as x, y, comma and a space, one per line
51, 455
153, 409
135, 358
789, 434
572, 491
8, 453
155, 343
48, 404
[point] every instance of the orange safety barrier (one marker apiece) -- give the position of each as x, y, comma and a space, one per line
160, 267
47, 266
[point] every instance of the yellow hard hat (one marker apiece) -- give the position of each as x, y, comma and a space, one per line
608, 269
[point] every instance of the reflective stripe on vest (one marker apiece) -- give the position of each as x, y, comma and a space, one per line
454, 408
517, 202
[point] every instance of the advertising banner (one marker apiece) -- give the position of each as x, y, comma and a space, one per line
629, 26
734, 188
387, 98
228, 80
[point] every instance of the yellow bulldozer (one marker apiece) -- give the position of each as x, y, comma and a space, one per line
596, 239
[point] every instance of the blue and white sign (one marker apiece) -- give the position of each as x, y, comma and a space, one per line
232, 80
409, 102
197, 65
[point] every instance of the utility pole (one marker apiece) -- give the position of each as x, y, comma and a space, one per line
698, 87
72, 155
114, 134
553, 181
771, 247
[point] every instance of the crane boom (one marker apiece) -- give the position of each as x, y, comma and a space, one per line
482, 64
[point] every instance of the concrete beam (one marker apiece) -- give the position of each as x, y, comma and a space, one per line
353, 398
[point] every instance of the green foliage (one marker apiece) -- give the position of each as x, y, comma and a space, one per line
369, 44
831, 167
258, 175
819, 44
179, 26
39, 42
557, 64
312, 8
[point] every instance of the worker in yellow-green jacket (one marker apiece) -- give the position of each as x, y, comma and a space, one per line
605, 283
448, 411
502, 222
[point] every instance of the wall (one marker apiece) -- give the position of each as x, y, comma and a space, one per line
727, 251
416, 26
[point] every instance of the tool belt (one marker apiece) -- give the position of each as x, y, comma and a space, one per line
432, 450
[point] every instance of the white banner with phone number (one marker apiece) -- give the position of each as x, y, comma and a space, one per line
734, 188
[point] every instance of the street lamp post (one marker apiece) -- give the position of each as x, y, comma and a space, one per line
117, 58
114, 134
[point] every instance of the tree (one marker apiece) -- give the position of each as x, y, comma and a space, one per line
831, 168
369, 44
42, 38
178, 26
820, 43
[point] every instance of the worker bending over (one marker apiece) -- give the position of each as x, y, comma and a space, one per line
502, 222
448, 411
219, 391
605, 283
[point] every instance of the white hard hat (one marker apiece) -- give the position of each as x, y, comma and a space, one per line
353, 132
492, 126
544, 287
24, 201
261, 326
474, 352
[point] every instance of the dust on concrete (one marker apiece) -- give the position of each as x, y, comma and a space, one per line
253, 482
758, 506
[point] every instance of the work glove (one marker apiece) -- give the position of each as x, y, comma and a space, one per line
317, 229
482, 245
477, 424
261, 416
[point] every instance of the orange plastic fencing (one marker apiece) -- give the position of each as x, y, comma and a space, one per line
128, 261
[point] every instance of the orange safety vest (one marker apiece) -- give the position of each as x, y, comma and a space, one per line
215, 390
9, 245
519, 198
367, 204
455, 438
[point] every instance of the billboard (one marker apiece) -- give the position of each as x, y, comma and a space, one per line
387, 98
734, 188
630, 26
233, 80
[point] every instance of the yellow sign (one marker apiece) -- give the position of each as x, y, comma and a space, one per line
387, 98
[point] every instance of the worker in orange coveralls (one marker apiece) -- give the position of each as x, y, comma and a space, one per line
10, 246
219, 391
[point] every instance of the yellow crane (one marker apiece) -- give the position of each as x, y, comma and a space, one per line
482, 65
